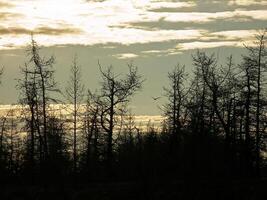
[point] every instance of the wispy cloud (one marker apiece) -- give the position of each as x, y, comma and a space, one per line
206, 45
247, 2
125, 56
151, 5
39, 30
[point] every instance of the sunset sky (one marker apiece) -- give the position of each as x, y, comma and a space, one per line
154, 34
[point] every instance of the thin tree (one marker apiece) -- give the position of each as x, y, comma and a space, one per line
28, 100
74, 92
257, 58
176, 94
91, 129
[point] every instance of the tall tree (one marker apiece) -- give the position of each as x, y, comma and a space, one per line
91, 131
36, 85
75, 95
44, 74
257, 61
29, 102
214, 80
115, 91
175, 109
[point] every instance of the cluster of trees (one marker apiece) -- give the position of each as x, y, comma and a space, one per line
214, 125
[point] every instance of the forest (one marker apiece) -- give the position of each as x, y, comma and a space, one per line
211, 142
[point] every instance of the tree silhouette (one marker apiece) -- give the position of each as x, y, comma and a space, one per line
115, 91
256, 59
175, 109
74, 93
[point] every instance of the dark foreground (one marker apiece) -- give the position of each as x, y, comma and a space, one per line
190, 189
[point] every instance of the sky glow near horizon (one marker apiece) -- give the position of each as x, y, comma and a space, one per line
65, 111
155, 34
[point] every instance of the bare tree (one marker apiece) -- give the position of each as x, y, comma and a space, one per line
176, 93
45, 84
28, 100
74, 93
91, 128
35, 87
256, 60
214, 80
115, 91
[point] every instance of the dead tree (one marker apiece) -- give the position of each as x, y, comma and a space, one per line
35, 86
256, 61
28, 100
214, 80
91, 128
115, 91
176, 94
74, 93
43, 70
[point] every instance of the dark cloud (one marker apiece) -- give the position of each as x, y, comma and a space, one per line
40, 30
57, 31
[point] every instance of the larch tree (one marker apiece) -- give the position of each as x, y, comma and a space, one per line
256, 60
74, 93
36, 85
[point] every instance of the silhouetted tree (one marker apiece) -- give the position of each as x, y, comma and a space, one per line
35, 86
91, 134
29, 102
254, 65
257, 56
175, 109
74, 93
58, 160
115, 91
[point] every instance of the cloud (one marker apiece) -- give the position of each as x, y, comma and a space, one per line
125, 55
242, 23
57, 31
9, 15
247, 2
39, 30
5, 4
235, 34
203, 17
153, 5
14, 30
163, 52
122, 21
206, 45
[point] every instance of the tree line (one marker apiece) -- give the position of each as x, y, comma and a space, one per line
214, 123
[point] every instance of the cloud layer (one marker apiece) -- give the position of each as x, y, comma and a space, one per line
189, 24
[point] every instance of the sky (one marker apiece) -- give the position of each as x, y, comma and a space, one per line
153, 34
